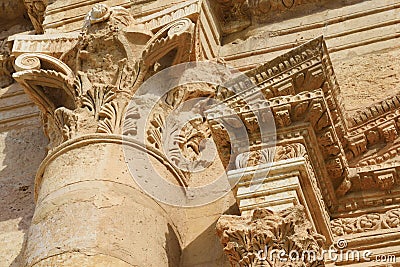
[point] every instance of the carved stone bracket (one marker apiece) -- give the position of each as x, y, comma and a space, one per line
306, 109
250, 240
382, 132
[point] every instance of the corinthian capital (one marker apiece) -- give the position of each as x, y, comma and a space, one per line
87, 89
258, 239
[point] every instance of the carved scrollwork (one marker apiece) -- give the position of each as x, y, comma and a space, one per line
99, 13
366, 223
58, 81
178, 34
27, 62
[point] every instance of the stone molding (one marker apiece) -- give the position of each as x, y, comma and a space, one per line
111, 139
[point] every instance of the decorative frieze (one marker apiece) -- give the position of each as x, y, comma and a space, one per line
50, 44
366, 223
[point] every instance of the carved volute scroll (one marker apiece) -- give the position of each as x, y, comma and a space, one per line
249, 241
88, 89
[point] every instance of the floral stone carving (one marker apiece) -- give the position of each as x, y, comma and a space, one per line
246, 238
91, 84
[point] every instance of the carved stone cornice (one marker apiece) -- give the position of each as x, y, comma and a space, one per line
291, 113
248, 240
300, 89
88, 89
36, 11
54, 45
377, 139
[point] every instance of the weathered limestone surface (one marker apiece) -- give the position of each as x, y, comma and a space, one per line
353, 33
369, 78
22, 149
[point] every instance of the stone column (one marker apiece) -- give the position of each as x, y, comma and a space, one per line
89, 210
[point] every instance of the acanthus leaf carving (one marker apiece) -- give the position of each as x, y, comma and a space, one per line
244, 237
111, 117
110, 59
67, 121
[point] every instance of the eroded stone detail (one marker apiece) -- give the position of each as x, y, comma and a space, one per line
237, 15
6, 67
84, 87
36, 10
271, 154
244, 237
